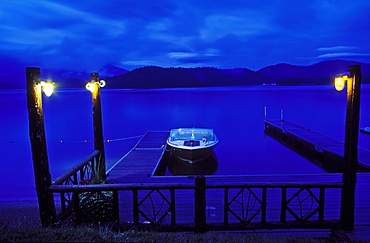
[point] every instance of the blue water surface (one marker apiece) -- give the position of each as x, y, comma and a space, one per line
235, 113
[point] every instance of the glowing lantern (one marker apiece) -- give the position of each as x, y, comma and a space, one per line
47, 87
93, 85
102, 83
90, 86
340, 81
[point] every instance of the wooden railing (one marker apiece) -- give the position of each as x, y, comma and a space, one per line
243, 205
81, 205
82, 173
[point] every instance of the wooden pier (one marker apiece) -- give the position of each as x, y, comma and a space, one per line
142, 160
322, 150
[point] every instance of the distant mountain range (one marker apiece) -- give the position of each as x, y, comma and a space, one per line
280, 74
158, 77
316, 74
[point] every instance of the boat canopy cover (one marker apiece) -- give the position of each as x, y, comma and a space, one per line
192, 134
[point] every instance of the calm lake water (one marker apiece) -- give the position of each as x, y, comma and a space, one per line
236, 114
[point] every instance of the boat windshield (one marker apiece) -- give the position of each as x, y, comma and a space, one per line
192, 134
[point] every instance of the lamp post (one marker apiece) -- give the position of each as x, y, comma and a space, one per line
94, 87
38, 143
353, 79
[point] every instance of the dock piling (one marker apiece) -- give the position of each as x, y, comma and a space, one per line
98, 125
38, 147
351, 147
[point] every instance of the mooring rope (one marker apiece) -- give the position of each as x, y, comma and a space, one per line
121, 139
79, 141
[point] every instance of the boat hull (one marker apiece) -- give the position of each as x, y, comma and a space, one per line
178, 167
192, 155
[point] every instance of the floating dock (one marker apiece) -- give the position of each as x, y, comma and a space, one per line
320, 149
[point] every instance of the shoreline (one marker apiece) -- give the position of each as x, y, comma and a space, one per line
19, 213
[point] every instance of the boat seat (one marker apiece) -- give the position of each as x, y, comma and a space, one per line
191, 143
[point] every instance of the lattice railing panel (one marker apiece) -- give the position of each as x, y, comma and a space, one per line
245, 205
303, 204
154, 206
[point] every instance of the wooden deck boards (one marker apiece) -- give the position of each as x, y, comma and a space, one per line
137, 167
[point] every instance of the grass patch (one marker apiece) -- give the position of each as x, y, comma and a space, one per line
20, 222
105, 234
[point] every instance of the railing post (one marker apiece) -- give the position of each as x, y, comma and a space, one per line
76, 207
264, 205
322, 204
173, 207
38, 146
226, 206
283, 205
135, 205
200, 204
116, 205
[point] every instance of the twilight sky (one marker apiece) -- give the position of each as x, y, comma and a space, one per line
85, 35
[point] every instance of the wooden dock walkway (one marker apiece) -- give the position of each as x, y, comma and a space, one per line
320, 149
139, 165
142, 160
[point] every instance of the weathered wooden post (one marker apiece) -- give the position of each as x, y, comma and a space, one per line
38, 147
200, 204
351, 147
94, 86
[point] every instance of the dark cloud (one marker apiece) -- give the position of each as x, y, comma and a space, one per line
83, 35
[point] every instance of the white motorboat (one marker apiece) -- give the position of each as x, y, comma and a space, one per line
192, 144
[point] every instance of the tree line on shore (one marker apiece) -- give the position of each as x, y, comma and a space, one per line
151, 77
